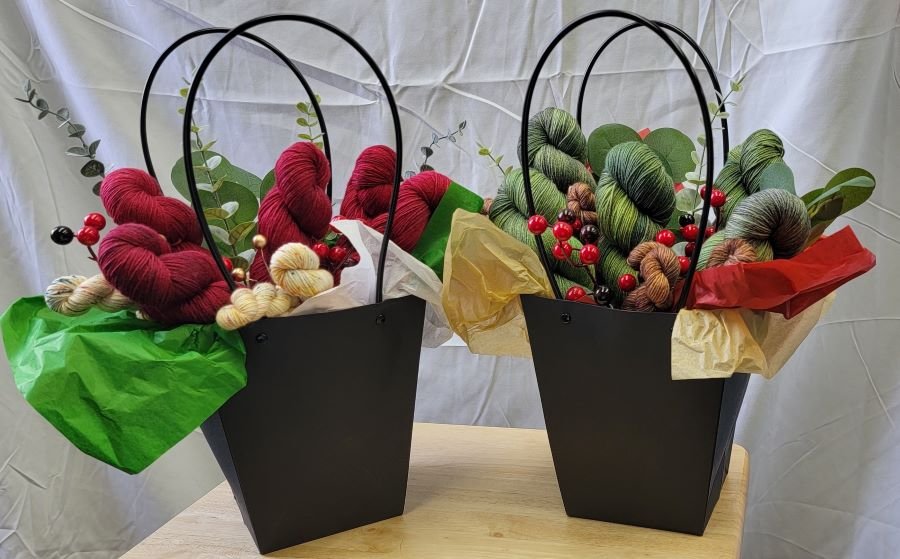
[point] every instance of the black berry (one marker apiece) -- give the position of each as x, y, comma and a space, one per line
567, 215
602, 295
62, 235
686, 219
589, 234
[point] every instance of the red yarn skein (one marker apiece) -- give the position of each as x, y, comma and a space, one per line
297, 208
133, 196
368, 193
170, 287
419, 197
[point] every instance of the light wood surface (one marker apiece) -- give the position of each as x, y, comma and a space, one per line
474, 492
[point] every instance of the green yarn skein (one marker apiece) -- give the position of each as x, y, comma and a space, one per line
558, 149
635, 199
509, 212
741, 174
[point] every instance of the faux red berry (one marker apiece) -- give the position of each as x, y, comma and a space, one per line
577, 225
95, 220
575, 293
321, 250
690, 232
678, 187
717, 198
703, 191
562, 250
537, 224
710, 231
627, 282
562, 230
665, 237
589, 254
228, 265
88, 236
337, 254
689, 249
683, 264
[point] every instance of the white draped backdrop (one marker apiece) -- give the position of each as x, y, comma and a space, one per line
825, 458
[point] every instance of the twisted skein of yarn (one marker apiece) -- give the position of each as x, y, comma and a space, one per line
170, 287
133, 196
295, 269
635, 198
775, 222
731, 251
368, 193
419, 196
557, 148
297, 209
249, 305
76, 295
740, 176
509, 212
660, 271
580, 199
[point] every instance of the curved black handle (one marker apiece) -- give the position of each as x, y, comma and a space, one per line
707, 128
186, 134
688, 39
145, 98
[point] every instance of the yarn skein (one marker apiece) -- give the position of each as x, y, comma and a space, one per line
731, 251
133, 196
743, 169
75, 295
635, 199
297, 209
170, 287
580, 199
775, 222
557, 148
660, 271
249, 305
295, 269
368, 193
419, 197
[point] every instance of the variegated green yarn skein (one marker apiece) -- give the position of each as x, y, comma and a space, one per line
635, 199
741, 174
558, 149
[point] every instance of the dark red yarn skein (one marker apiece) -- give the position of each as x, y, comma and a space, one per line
368, 193
133, 196
297, 208
170, 287
419, 197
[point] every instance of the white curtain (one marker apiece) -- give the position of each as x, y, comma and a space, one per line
823, 74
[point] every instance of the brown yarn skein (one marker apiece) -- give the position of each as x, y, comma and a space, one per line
731, 251
580, 199
660, 270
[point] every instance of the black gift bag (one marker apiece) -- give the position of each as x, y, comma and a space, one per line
319, 440
630, 445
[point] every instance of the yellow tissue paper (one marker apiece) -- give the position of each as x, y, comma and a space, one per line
485, 271
716, 344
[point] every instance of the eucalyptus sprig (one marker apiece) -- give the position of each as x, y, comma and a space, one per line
436, 140
93, 167
309, 120
495, 159
717, 111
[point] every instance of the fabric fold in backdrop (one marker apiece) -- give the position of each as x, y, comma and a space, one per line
121, 389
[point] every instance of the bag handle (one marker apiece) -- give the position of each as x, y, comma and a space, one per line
145, 98
687, 39
186, 134
707, 128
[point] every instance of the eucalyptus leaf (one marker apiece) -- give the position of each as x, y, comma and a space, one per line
462, 125
846, 190
96, 188
62, 114
240, 231
267, 183
92, 149
303, 107
215, 213
248, 254
678, 248
484, 151
213, 162
240, 262
75, 130
248, 204
230, 208
427, 151
92, 168
42, 104
777, 175
452, 138
31, 95
687, 200
306, 137
208, 146
205, 186
675, 148
219, 233
603, 139
302, 121
42, 114
319, 145
225, 171
77, 151
27, 87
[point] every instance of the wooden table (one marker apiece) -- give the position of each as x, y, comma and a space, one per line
474, 492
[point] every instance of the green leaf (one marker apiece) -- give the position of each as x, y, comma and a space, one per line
214, 187
205, 186
267, 183
701, 139
686, 200
77, 151
713, 107
31, 95
427, 151
92, 149
318, 98
96, 188
42, 105
225, 170
777, 175
240, 262
305, 137
214, 162
219, 233
675, 148
208, 146
319, 145
603, 139
92, 168
695, 158
845, 191
452, 138
240, 231
195, 129
42, 114
303, 107
302, 121
736, 86
230, 209
184, 91
62, 114
462, 125
215, 213
508, 170
484, 151
75, 130
247, 203
181, 110
27, 87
